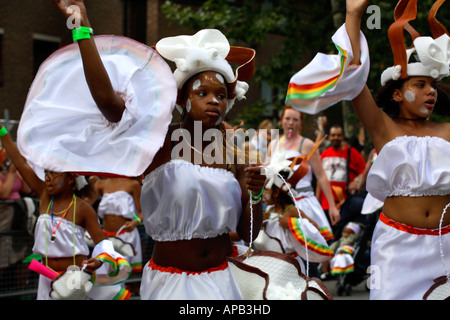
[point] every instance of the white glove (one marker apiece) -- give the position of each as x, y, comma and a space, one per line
73, 284
126, 249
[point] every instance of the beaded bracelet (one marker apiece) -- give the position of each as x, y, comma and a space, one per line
3, 132
255, 199
81, 33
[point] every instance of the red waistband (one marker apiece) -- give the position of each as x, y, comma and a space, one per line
113, 233
413, 230
222, 266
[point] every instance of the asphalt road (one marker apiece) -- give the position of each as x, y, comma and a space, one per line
359, 292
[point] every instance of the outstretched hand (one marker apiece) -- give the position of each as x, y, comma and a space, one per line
80, 14
357, 7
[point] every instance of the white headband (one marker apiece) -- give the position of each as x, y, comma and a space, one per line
433, 58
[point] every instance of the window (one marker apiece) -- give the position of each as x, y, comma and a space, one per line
1, 57
138, 20
43, 47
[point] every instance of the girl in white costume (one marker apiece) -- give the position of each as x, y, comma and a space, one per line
412, 173
190, 203
287, 229
120, 211
60, 228
294, 144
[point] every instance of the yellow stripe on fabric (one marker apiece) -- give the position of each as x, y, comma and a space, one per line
313, 246
310, 91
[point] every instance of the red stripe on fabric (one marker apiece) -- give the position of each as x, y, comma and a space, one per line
220, 267
412, 230
312, 85
155, 266
113, 233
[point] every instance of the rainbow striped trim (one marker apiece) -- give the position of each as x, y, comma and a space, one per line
136, 267
327, 233
346, 249
123, 294
117, 264
313, 90
120, 267
337, 270
296, 230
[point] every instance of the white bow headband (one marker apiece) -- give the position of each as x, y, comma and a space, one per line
208, 50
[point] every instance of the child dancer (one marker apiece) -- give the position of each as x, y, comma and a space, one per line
411, 174
191, 199
59, 231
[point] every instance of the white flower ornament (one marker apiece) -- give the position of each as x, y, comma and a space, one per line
209, 50
277, 163
432, 53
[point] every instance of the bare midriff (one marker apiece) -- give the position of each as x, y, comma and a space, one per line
194, 254
61, 264
420, 212
113, 223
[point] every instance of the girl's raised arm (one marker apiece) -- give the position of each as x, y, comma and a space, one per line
108, 101
28, 174
372, 117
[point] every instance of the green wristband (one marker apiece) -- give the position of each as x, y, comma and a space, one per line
82, 33
258, 196
3, 132
137, 218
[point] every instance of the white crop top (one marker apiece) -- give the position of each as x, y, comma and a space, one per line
183, 201
64, 243
119, 203
411, 166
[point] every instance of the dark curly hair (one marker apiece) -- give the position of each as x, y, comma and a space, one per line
284, 198
384, 100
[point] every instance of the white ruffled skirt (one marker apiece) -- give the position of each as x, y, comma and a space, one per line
405, 260
61, 128
161, 283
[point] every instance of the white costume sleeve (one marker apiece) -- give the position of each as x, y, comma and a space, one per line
329, 79
115, 268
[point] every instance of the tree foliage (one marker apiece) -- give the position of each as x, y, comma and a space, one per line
307, 27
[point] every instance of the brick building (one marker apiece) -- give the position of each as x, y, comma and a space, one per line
30, 30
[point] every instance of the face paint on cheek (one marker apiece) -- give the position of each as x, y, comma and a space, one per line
267, 196
424, 110
59, 183
218, 121
196, 85
410, 96
188, 105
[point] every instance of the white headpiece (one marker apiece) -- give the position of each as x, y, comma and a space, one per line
209, 50
354, 226
433, 57
432, 54
278, 163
